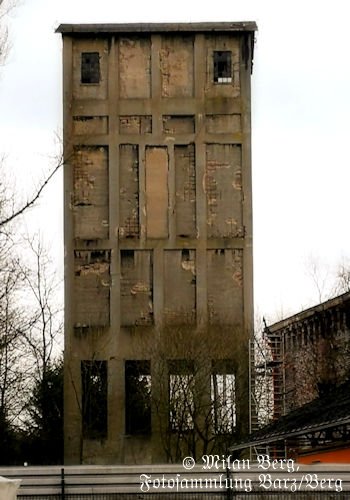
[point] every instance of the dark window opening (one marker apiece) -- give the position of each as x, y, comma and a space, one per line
94, 399
90, 67
185, 254
222, 66
137, 397
181, 395
223, 396
127, 258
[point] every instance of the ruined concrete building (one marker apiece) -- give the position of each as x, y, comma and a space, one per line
308, 368
158, 238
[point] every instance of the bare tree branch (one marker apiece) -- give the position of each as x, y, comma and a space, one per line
31, 201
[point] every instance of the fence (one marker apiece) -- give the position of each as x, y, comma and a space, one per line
172, 482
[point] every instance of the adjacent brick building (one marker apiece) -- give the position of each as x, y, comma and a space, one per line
158, 237
309, 367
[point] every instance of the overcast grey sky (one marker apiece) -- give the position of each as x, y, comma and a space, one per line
301, 131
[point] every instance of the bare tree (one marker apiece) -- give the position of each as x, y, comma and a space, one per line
328, 281
90, 398
42, 288
342, 284
319, 274
9, 210
261, 377
194, 393
30, 324
14, 365
5, 7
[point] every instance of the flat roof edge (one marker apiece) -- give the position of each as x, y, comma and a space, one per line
306, 313
244, 26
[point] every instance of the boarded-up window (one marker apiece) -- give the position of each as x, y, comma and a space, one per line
90, 67
223, 185
223, 124
178, 124
225, 286
129, 191
181, 395
91, 288
135, 67
136, 124
136, 287
90, 125
223, 396
157, 196
94, 399
180, 286
185, 185
138, 397
90, 200
176, 66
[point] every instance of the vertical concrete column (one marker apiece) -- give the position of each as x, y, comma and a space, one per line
142, 194
171, 194
248, 307
113, 144
72, 425
157, 130
115, 391
68, 187
201, 207
245, 68
158, 286
156, 91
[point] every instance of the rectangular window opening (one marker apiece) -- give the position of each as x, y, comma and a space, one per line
181, 395
222, 66
185, 254
94, 399
138, 397
90, 67
127, 258
223, 397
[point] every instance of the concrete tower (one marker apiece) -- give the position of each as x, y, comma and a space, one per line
158, 238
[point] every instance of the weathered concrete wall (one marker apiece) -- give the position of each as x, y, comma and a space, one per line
157, 194
90, 125
91, 291
232, 90
135, 124
90, 197
136, 288
223, 186
134, 67
176, 65
180, 274
223, 124
92, 91
173, 124
129, 191
158, 237
225, 286
185, 186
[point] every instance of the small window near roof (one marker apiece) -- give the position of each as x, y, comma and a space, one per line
90, 67
222, 66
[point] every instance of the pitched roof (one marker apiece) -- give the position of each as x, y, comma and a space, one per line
324, 412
